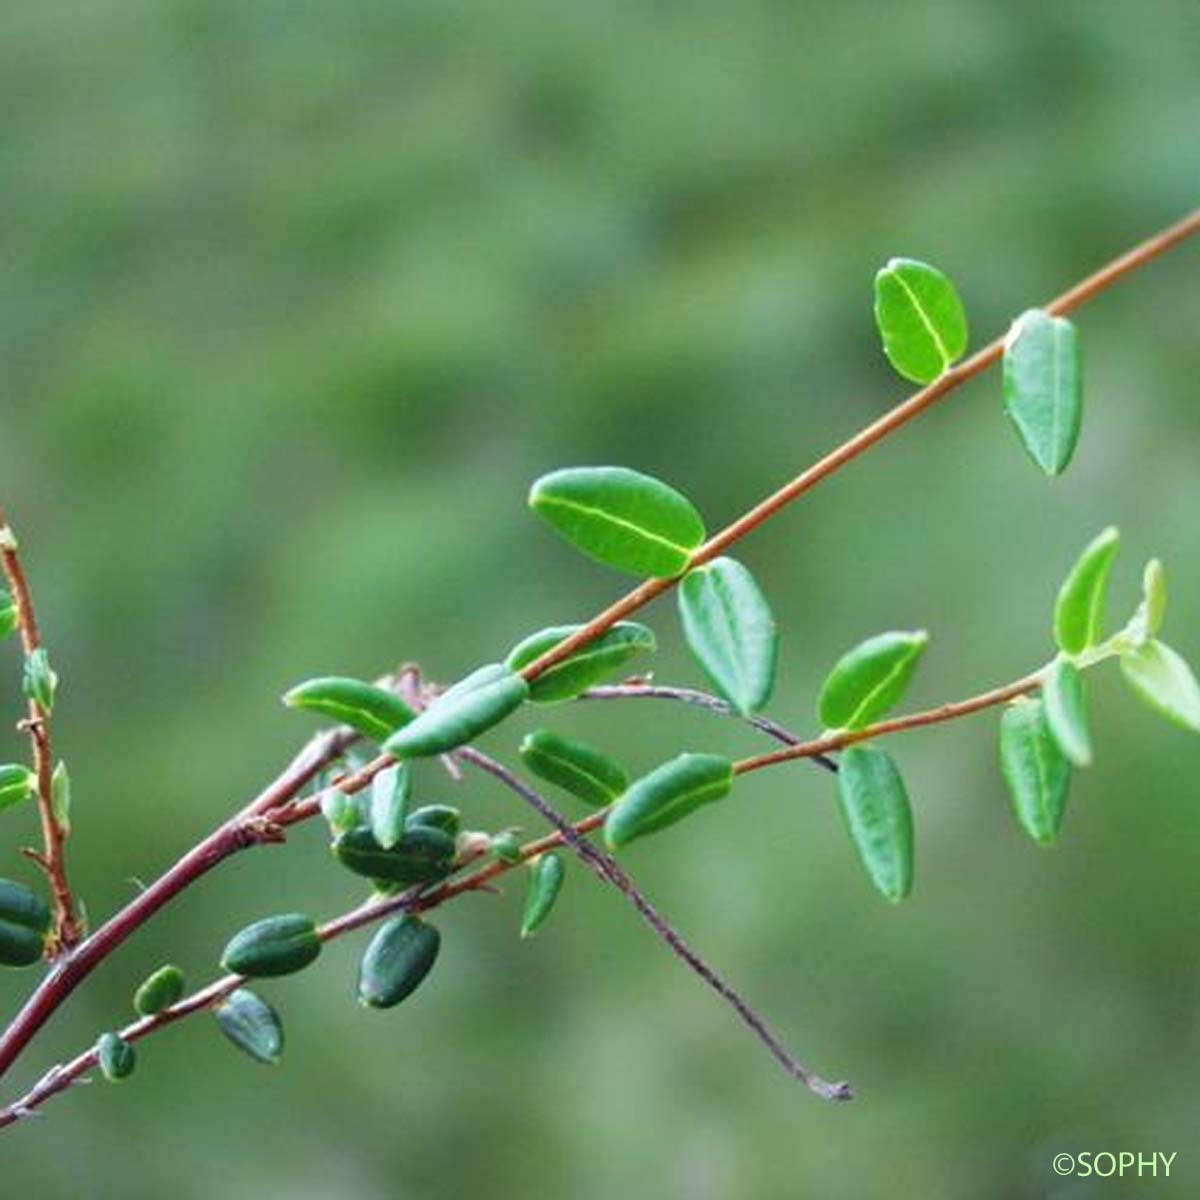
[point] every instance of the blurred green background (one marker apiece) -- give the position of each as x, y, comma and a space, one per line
299, 298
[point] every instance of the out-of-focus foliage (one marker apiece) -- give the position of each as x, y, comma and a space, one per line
298, 301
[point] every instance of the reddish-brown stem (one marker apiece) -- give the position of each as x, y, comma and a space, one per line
931, 716
53, 856
849, 450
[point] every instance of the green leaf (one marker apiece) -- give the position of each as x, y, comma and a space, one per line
920, 318
574, 766
588, 665
621, 518
506, 846
160, 990
866, 681
1163, 679
1079, 610
474, 704
24, 924
1148, 619
1036, 772
276, 945
422, 855
343, 812
1066, 711
390, 790
729, 627
10, 615
396, 961
60, 797
445, 817
252, 1025
878, 816
668, 794
363, 706
1043, 394
546, 874
16, 784
115, 1056
41, 681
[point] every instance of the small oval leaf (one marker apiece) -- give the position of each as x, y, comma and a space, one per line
879, 818
729, 627
474, 704
866, 681
621, 518
60, 796
445, 817
159, 991
396, 961
40, 682
371, 710
1147, 620
574, 766
920, 318
16, 784
422, 855
1066, 711
668, 794
1079, 610
252, 1025
588, 665
546, 874
1164, 680
24, 924
276, 945
1043, 395
1037, 773
390, 791
115, 1056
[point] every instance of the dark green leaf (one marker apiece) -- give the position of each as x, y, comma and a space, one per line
621, 518
252, 1025
397, 959
422, 855
390, 790
546, 874
470, 707
868, 680
159, 991
16, 784
1035, 769
668, 794
273, 946
10, 616
920, 318
730, 630
588, 665
1066, 711
574, 766
1043, 394
1079, 610
41, 680
445, 817
24, 923
879, 818
116, 1057
363, 706
1164, 680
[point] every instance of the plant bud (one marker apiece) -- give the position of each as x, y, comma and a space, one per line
160, 990
273, 946
397, 959
116, 1057
252, 1025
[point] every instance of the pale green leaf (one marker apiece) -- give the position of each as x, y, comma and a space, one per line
1164, 680
1037, 773
1079, 610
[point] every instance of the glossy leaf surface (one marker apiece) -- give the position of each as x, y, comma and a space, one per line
920, 318
371, 710
574, 766
1079, 609
587, 666
667, 795
866, 681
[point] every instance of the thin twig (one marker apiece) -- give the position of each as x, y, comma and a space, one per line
693, 696
607, 868
53, 857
